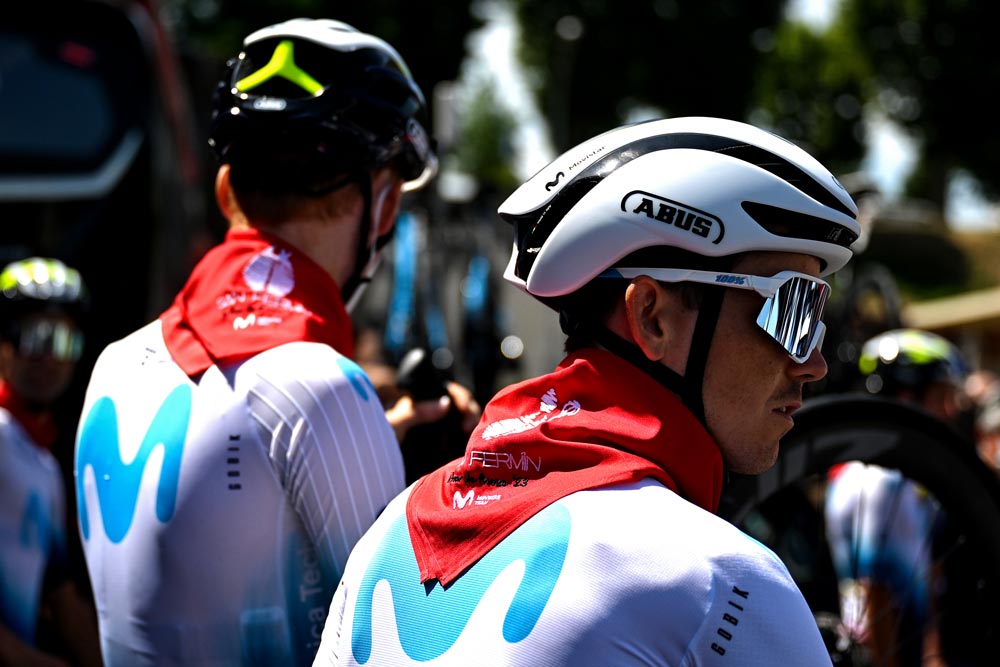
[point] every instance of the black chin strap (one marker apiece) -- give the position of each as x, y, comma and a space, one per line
632, 353
688, 386
701, 343
364, 251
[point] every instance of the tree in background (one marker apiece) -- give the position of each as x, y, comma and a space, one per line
810, 87
597, 64
484, 149
926, 66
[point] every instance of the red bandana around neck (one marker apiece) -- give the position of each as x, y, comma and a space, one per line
39, 426
250, 293
595, 421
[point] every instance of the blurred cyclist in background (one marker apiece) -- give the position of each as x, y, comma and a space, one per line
919, 367
880, 525
42, 304
230, 453
983, 388
684, 258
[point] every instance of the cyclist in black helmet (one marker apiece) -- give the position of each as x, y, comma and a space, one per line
882, 526
42, 305
230, 453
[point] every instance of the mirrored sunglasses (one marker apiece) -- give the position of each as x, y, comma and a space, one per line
793, 302
43, 337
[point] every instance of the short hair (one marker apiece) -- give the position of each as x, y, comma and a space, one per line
593, 304
601, 296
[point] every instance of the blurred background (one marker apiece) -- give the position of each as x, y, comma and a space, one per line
104, 107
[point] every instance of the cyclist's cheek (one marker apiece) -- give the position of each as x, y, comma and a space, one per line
745, 387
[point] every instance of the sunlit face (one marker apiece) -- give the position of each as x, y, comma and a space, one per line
751, 386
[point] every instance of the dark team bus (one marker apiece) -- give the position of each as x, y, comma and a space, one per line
99, 161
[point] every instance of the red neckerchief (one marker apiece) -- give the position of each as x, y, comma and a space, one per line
39, 426
597, 420
248, 294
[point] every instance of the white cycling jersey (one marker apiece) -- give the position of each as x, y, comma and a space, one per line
879, 525
217, 513
630, 574
577, 531
32, 525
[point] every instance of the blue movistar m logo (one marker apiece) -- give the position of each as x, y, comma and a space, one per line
540, 543
117, 481
356, 375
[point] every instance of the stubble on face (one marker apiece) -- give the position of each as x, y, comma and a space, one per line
751, 385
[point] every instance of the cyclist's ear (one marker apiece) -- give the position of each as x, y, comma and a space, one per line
387, 194
659, 322
224, 196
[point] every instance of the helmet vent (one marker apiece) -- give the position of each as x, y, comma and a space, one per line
766, 160
791, 224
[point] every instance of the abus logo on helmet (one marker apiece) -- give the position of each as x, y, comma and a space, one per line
674, 213
269, 104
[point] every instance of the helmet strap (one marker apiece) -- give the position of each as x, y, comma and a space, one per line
688, 387
354, 286
701, 342
620, 347
632, 353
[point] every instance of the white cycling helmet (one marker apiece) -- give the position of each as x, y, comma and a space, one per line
677, 199
709, 186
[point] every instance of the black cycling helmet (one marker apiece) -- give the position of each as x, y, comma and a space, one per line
40, 285
327, 98
312, 105
910, 360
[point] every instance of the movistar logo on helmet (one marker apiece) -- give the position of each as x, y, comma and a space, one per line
676, 214
269, 104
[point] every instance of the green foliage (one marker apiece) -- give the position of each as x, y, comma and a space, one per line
484, 147
811, 89
935, 75
677, 58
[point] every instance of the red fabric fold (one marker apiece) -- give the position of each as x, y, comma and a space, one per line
39, 426
248, 294
595, 421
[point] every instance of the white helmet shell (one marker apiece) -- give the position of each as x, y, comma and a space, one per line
709, 186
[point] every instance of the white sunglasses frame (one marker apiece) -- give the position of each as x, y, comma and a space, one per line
767, 287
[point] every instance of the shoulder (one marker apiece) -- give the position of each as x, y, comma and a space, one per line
142, 347
647, 515
306, 362
324, 398
719, 591
648, 534
19, 452
307, 368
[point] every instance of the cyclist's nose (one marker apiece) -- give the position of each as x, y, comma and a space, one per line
812, 369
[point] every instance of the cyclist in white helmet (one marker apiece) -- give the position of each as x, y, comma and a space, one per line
43, 303
230, 453
685, 258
